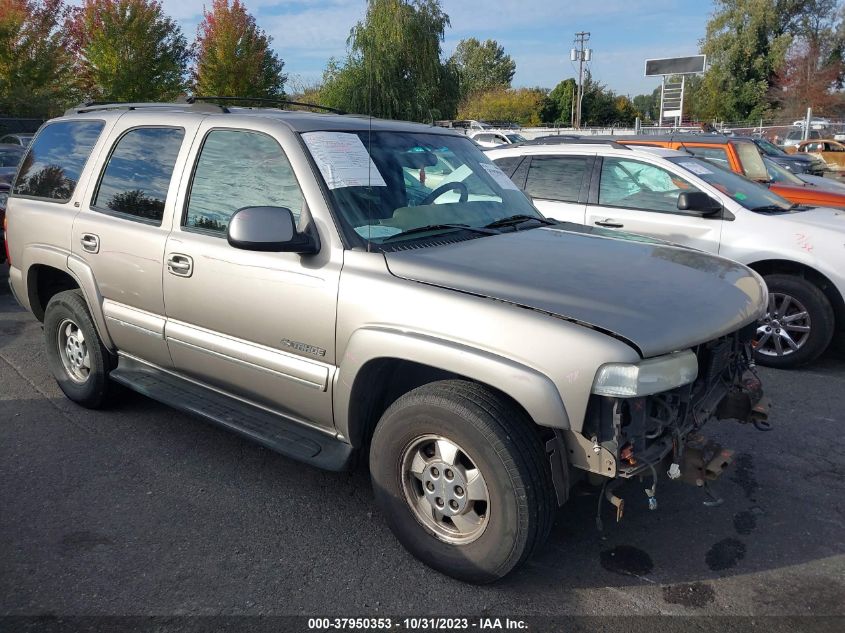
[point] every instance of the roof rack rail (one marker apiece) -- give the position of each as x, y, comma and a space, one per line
265, 100
571, 139
94, 106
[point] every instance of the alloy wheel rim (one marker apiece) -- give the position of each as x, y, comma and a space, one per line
786, 327
445, 489
73, 350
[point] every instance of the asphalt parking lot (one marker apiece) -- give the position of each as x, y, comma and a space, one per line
141, 510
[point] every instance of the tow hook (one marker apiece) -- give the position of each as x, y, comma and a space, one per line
617, 502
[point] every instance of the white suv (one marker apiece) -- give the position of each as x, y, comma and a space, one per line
496, 138
674, 196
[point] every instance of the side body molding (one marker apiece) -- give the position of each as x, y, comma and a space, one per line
534, 391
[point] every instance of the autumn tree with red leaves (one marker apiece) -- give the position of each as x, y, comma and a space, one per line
35, 61
234, 58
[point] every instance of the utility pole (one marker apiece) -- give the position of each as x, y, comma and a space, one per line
581, 55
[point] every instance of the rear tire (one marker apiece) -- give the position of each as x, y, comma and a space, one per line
802, 298
462, 429
75, 353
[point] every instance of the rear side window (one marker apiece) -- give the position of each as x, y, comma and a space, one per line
556, 177
137, 176
56, 158
236, 169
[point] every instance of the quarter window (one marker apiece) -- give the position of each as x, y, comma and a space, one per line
556, 178
636, 185
56, 158
137, 176
237, 169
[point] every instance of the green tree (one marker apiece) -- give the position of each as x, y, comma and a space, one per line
234, 57
598, 105
394, 67
648, 105
35, 64
557, 107
746, 44
128, 50
521, 105
482, 66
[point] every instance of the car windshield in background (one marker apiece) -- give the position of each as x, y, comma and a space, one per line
781, 174
770, 148
383, 184
750, 195
11, 156
515, 138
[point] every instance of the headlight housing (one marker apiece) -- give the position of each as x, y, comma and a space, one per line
653, 375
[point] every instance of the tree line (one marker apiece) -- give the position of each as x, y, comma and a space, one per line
53, 55
766, 58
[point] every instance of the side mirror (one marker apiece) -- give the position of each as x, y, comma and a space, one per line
270, 229
698, 203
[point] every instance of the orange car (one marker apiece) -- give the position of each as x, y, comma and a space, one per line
831, 152
742, 156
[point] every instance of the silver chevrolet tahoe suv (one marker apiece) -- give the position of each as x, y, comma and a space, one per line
338, 287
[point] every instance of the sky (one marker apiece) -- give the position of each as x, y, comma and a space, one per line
538, 34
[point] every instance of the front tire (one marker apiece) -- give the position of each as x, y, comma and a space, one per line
798, 325
460, 476
75, 353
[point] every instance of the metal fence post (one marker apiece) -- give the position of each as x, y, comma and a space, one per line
806, 134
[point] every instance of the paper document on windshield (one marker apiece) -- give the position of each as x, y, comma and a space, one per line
343, 160
696, 168
499, 176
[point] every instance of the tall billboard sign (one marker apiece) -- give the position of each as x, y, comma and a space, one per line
673, 71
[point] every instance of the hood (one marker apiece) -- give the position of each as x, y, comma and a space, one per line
657, 297
810, 195
831, 219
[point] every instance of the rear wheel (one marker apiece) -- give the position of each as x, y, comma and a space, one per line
460, 475
75, 354
798, 325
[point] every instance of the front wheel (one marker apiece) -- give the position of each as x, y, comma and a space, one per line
798, 325
459, 474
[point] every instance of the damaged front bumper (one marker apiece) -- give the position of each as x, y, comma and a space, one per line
625, 437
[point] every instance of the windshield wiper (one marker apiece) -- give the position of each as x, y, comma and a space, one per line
774, 207
440, 227
517, 219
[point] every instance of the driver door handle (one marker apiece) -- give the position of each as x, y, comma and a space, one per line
609, 223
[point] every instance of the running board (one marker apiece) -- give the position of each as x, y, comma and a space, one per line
275, 431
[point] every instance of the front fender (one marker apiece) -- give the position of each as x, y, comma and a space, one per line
534, 391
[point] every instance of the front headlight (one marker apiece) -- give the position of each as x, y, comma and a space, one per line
623, 380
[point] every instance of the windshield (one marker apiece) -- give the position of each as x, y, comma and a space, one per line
515, 138
383, 183
769, 148
10, 156
751, 161
750, 195
778, 173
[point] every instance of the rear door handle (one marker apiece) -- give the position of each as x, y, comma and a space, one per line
180, 265
90, 242
609, 223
